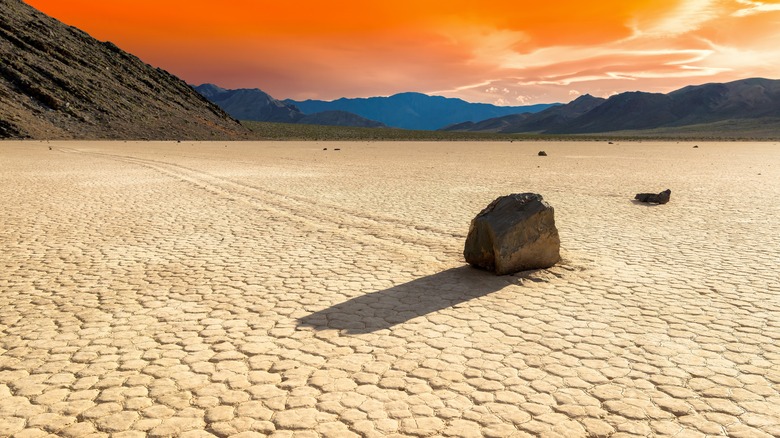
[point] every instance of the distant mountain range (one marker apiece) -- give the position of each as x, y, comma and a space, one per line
416, 110
57, 82
405, 110
741, 105
256, 105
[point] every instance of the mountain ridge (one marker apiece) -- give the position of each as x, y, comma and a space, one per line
254, 104
694, 105
418, 111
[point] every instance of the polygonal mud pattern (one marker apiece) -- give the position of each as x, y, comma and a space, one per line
161, 289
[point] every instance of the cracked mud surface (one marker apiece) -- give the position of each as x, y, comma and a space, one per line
256, 289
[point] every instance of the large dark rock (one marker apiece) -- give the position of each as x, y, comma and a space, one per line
654, 198
514, 233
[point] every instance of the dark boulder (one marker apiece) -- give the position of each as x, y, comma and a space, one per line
542, 154
514, 233
654, 198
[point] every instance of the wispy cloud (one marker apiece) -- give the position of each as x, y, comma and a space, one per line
666, 50
755, 8
688, 16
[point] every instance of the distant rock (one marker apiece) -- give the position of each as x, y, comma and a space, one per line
654, 198
542, 154
514, 233
57, 82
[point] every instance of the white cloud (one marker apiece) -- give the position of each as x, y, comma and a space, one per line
755, 8
687, 17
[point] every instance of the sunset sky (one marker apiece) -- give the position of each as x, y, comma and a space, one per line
503, 52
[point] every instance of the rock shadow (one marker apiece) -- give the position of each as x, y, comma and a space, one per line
645, 204
386, 308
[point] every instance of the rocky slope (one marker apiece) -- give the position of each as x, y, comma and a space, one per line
57, 82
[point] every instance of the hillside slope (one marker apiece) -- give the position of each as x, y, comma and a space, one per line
57, 82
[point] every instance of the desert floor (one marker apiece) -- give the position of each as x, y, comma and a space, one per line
281, 289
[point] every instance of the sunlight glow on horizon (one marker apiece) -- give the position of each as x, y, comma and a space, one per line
505, 52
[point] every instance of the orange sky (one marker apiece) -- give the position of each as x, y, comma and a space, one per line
503, 52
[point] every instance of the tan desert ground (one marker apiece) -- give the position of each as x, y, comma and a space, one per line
254, 289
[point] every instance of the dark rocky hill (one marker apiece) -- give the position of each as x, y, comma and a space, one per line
250, 104
632, 110
497, 124
57, 82
552, 118
416, 110
744, 99
557, 117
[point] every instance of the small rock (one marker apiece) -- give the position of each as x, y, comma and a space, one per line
514, 233
542, 154
696, 146
610, 142
336, 149
324, 149
654, 198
